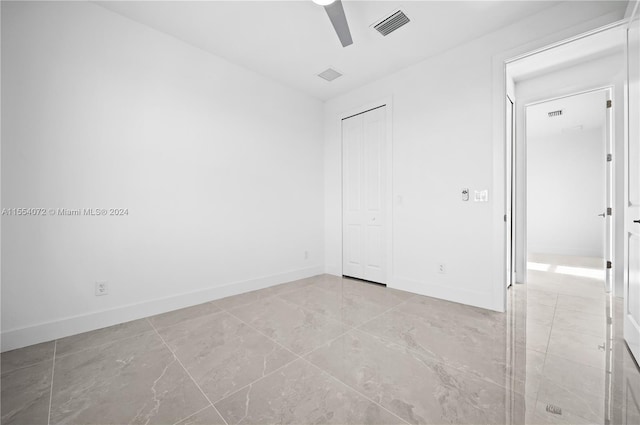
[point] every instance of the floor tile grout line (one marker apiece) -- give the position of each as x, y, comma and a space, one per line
315, 284
386, 311
557, 308
185, 370
258, 379
53, 369
192, 415
263, 334
280, 344
352, 328
104, 344
228, 310
299, 357
546, 351
432, 357
353, 389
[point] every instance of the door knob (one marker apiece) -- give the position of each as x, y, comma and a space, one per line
601, 215
636, 221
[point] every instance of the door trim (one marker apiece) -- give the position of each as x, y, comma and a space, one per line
500, 61
510, 195
388, 223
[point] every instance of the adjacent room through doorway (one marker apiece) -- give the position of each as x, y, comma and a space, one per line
568, 220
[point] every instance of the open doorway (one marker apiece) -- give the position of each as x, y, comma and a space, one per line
563, 254
568, 194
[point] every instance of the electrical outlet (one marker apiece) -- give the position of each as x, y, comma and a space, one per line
102, 288
306, 255
442, 269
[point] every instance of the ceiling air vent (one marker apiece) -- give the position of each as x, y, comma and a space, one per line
555, 113
391, 23
329, 74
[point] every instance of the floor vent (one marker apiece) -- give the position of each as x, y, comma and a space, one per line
391, 23
555, 113
554, 409
329, 74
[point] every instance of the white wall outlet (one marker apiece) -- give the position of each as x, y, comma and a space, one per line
442, 268
102, 288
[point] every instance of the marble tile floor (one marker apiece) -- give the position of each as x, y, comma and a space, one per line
333, 350
576, 358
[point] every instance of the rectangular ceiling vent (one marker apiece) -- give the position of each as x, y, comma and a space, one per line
329, 74
555, 113
391, 23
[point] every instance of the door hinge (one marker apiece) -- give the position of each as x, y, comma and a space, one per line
609, 157
609, 211
608, 104
505, 218
608, 264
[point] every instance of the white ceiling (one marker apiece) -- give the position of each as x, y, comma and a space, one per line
292, 41
581, 112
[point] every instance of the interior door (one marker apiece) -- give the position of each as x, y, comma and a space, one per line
632, 213
363, 191
508, 217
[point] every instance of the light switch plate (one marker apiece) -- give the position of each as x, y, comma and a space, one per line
481, 196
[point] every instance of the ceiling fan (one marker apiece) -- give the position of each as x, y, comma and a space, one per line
335, 11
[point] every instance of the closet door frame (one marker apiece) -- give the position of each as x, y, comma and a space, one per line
387, 102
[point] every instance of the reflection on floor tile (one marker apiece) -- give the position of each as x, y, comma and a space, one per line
581, 348
574, 402
334, 350
415, 387
342, 306
591, 306
301, 394
579, 383
536, 336
294, 327
474, 345
580, 322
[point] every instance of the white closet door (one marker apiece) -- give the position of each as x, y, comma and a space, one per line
363, 191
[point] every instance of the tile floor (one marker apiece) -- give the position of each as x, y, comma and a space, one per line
333, 350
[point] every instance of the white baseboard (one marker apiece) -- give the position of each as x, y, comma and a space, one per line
22, 337
462, 296
335, 270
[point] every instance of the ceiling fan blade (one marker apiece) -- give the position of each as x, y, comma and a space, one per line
339, 21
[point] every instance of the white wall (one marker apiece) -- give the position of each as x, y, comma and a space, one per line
220, 168
443, 140
565, 193
601, 72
